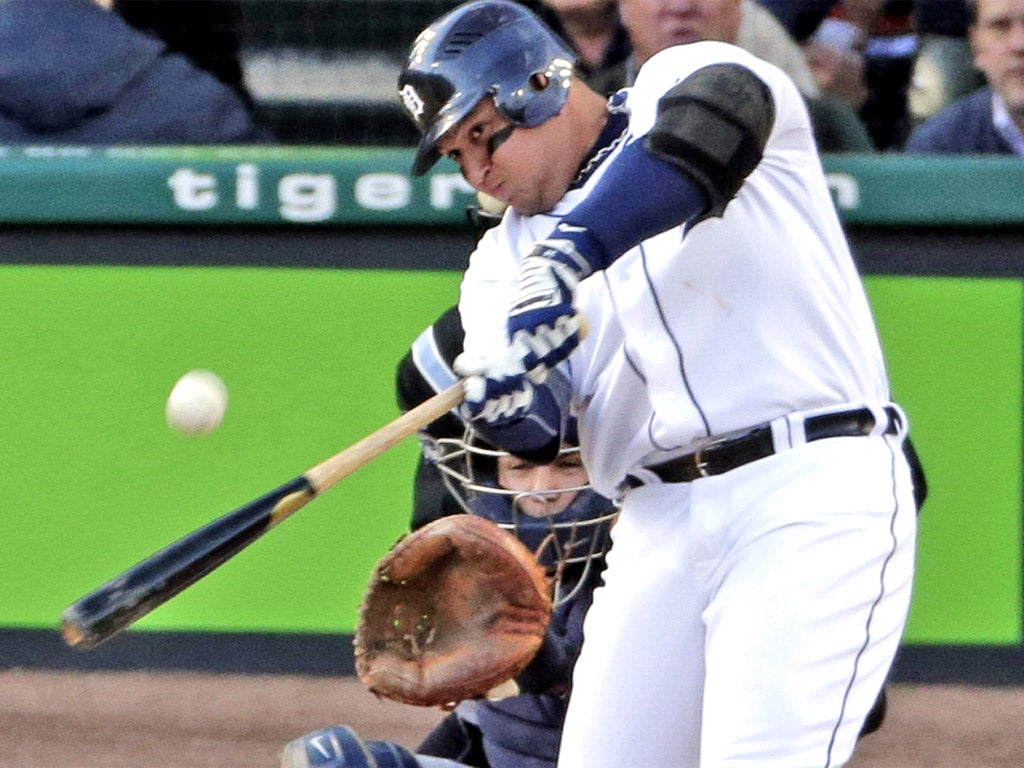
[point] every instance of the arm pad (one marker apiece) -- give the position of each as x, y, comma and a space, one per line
714, 125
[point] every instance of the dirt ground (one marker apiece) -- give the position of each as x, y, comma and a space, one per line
176, 720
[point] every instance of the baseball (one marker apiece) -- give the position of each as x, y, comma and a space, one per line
197, 403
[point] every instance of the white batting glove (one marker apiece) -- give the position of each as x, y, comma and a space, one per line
542, 321
506, 406
498, 391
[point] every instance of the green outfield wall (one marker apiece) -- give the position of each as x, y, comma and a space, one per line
95, 480
367, 186
105, 305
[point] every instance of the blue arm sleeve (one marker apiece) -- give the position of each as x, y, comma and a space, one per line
639, 196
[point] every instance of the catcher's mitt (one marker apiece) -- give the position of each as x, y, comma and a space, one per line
454, 609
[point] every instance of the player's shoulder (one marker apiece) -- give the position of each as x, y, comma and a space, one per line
516, 230
673, 65
700, 53
678, 62
682, 59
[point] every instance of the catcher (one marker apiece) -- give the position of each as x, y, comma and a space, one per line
548, 510
567, 524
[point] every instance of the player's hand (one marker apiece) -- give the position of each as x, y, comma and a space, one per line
498, 390
543, 322
510, 408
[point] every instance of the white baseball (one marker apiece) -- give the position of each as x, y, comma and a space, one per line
197, 403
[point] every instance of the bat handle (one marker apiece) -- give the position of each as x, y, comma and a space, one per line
341, 465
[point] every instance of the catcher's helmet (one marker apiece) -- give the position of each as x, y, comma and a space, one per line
481, 48
577, 534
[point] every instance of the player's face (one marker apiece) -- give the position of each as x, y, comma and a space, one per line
527, 168
544, 480
655, 25
998, 41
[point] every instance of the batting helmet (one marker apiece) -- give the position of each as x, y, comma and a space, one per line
485, 47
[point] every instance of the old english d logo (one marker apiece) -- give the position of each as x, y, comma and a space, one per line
412, 101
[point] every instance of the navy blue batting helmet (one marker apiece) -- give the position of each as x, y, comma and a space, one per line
485, 47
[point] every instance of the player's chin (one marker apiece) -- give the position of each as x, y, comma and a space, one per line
544, 508
531, 205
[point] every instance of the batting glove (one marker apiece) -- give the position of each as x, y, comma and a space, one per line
498, 391
504, 405
542, 321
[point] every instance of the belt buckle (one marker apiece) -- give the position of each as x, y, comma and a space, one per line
700, 463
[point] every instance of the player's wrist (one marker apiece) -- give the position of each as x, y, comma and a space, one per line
575, 252
543, 325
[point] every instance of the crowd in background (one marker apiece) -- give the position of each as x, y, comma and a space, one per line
878, 75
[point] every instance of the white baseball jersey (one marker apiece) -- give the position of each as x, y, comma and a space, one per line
748, 618
730, 325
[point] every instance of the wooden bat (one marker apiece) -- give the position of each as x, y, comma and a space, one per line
107, 610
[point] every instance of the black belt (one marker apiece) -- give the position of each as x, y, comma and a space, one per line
720, 456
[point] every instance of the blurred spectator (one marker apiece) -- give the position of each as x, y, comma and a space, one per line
593, 29
657, 24
800, 17
654, 25
990, 120
862, 52
888, 60
835, 51
944, 68
74, 72
207, 31
761, 33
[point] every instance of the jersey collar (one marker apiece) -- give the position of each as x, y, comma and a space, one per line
611, 135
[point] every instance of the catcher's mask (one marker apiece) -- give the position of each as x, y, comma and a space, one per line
568, 538
483, 48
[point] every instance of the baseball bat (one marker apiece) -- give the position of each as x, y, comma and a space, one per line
107, 610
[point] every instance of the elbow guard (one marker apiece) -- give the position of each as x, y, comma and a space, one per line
714, 126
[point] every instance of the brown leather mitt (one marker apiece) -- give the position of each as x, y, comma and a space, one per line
456, 608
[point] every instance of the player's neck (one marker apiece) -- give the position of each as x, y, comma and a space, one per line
613, 126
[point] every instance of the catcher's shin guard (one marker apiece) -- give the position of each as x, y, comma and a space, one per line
341, 747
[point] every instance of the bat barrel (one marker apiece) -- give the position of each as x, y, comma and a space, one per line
104, 612
107, 610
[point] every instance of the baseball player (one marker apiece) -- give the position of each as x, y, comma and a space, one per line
551, 509
730, 388
567, 529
